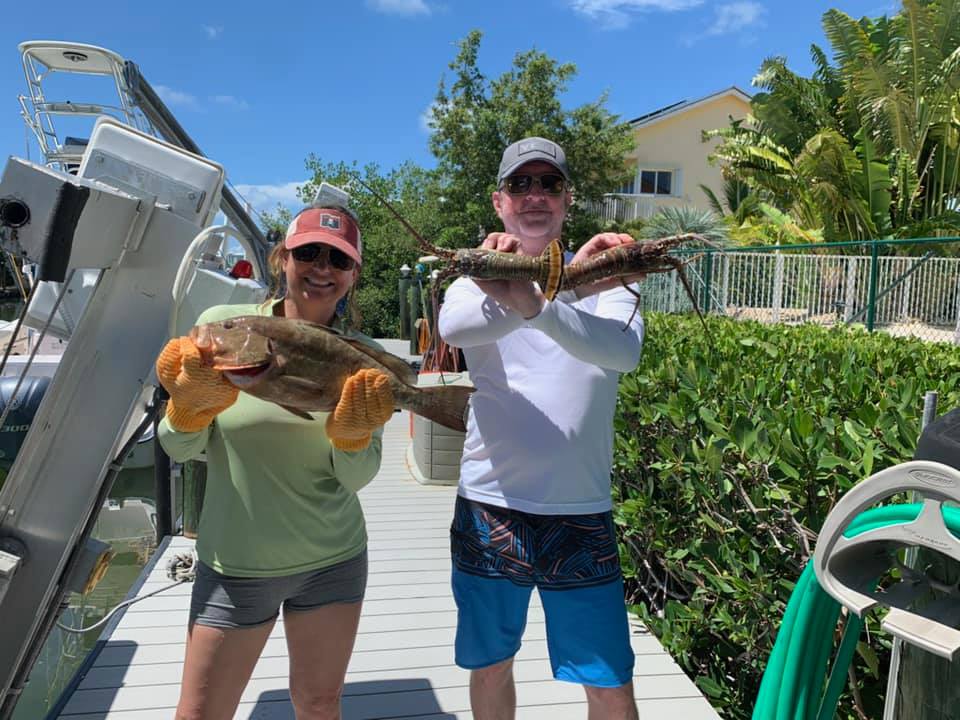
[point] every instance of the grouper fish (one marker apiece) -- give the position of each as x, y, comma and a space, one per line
302, 367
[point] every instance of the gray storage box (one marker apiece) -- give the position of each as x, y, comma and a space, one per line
434, 452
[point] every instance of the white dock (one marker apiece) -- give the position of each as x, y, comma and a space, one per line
402, 665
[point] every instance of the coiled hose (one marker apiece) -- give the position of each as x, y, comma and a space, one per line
793, 682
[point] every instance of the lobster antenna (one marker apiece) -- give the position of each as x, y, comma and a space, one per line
396, 213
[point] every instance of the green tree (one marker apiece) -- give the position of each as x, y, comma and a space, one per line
386, 245
474, 119
869, 146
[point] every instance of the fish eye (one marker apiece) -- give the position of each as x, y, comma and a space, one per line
228, 325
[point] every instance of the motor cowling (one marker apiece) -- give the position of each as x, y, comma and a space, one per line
23, 407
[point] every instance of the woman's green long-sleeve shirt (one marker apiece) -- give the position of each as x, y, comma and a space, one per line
280, 499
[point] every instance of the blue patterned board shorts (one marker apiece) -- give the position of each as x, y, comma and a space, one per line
500, 555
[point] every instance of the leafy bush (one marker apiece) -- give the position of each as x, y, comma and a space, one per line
728, 458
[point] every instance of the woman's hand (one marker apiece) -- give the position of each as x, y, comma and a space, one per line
366, 403
197, 393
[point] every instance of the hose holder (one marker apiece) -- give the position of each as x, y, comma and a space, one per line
848, 568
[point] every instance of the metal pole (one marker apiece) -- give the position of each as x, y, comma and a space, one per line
414, 311
707, 281
910, 559
872, 287
403, 287
161, 481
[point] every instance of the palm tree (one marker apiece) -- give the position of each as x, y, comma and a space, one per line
870, 145
686, 219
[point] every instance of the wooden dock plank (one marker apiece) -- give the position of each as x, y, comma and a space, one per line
402, 666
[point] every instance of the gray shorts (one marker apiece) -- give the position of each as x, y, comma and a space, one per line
226, 601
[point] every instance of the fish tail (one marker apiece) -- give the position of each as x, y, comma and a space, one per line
553, 257
444, 404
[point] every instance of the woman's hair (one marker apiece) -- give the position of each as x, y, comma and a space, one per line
347, 309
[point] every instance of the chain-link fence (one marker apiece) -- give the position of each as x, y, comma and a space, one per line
872, 284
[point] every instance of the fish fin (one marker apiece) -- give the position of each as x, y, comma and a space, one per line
298, 412
444, 404
554, 252
398, 366
320, 326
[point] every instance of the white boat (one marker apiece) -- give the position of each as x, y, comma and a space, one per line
116, 231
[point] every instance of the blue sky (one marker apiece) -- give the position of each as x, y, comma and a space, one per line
260, 86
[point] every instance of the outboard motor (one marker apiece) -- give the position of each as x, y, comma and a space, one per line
22, 411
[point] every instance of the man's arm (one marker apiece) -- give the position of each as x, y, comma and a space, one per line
601, 338
469, 317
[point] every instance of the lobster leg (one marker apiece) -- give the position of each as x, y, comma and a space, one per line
636, 305
678, 266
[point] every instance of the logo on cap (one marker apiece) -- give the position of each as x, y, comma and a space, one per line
534, 145
330, 221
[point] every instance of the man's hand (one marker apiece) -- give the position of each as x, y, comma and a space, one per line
597, 244
521, 296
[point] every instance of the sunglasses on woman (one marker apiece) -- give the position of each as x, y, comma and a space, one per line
550, 183
327, 255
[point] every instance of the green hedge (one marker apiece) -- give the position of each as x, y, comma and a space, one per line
729, 455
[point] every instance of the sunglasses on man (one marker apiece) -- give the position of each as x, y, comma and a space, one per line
324, 254
550, 183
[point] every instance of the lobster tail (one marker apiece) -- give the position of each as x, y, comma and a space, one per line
552, 269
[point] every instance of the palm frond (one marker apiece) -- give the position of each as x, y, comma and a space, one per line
686, 219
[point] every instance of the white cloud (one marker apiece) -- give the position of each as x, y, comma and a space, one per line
734, 17
213, 31
616, 14
230, 101
400, 7
175, 97
426, 117
265, 198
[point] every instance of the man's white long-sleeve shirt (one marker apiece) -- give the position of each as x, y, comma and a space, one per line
540, 430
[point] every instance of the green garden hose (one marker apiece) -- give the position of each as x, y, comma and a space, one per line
793, 682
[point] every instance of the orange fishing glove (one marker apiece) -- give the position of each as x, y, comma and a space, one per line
366, 403
197, 393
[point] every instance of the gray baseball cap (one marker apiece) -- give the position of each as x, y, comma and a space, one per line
531, 149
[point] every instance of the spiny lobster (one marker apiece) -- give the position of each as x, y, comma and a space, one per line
622, 261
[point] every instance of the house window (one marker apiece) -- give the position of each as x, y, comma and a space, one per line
656, 182
628, 188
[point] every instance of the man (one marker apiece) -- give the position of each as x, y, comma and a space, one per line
533, 506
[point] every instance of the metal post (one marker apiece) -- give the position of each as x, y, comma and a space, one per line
403, 285
161, 480
956, 332
872, 287
777, 286
414, 311
850, 297
705, 303
725, 293
910, 559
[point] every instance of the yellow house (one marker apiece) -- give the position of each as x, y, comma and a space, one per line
669, 157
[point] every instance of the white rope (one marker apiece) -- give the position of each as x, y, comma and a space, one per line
183, 566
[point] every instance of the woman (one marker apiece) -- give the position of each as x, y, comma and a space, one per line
281, 524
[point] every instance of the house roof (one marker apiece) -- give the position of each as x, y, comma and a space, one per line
685, 105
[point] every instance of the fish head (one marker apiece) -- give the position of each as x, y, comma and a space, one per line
238, 349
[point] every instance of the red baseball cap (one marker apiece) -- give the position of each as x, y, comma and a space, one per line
328, 226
